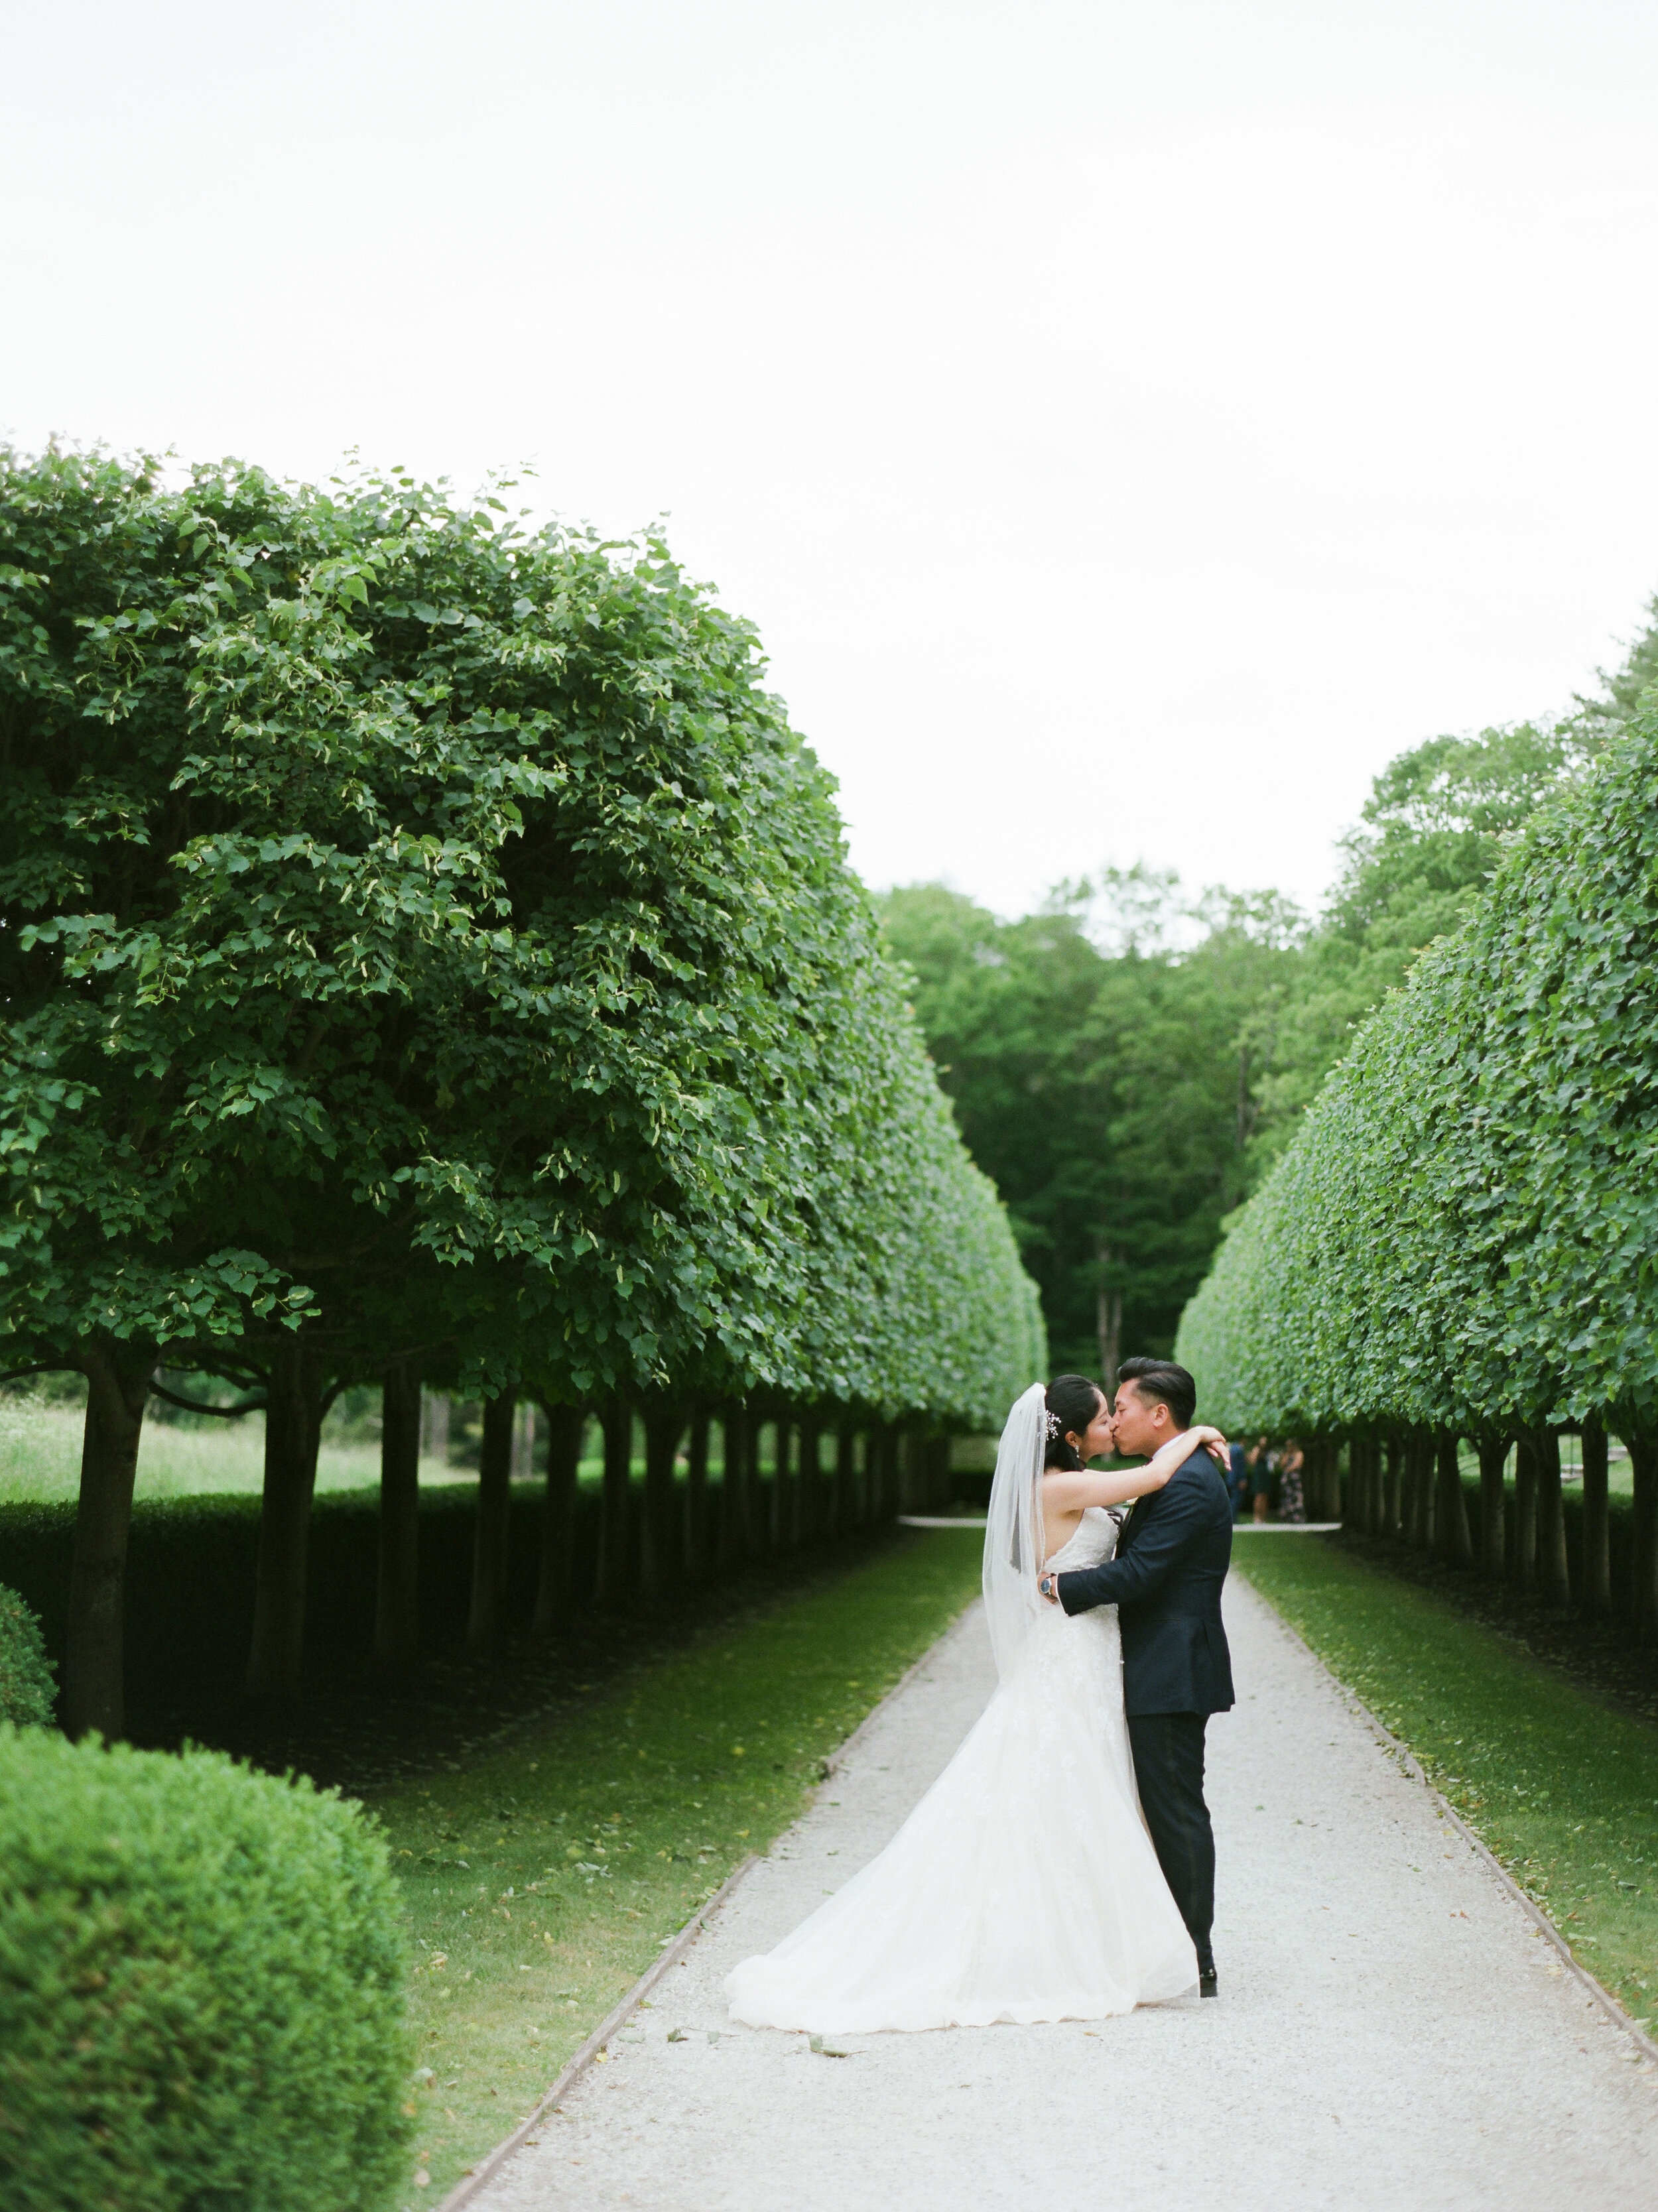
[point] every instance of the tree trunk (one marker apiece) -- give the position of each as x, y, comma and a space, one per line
1376, 1501
1493, 1543
1643, 1567
1324, 1459
616, 1421
554, 1589
1456, 1546
1108, 1323
1523, 1567
756, 1490
397, 1600
844, 1512
117, 1385
1554, 1569
293, 1428
785, 1489
938, 1473
1418, 1480
1393, 1508
811, 1478
912, 1471
734, 1507
696, 1502
435, 1425
487, 1619
1358, 1500
523, 1443
663, 1424
1597, 1553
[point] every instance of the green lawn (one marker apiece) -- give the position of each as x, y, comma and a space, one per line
41, 1454
1562, 1788
543, 1879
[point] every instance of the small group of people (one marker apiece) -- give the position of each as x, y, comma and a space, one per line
1266, 1479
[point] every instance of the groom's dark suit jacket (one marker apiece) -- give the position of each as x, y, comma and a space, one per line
1172, 1557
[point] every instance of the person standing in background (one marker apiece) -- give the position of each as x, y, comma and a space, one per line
1260, 1463
1292, 1505
1240, 1480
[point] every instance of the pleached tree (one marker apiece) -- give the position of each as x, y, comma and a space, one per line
426, 950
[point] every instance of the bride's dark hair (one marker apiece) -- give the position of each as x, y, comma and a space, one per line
1074, 1402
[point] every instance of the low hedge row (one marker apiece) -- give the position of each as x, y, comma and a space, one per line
191, 1565
26, 1690
201, 1988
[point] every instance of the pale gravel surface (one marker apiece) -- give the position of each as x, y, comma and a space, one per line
1392, 2033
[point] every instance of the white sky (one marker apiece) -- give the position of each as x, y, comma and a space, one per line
1129, 424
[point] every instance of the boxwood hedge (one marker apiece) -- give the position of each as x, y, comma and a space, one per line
201, 1988
25, 1684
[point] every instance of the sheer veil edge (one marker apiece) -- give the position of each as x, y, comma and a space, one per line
1013, 1531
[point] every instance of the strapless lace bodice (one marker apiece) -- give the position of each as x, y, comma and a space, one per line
1094, 1539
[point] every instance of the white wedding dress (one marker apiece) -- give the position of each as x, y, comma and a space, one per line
1023, 1887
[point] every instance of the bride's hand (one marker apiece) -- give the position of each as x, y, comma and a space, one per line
1215, 1443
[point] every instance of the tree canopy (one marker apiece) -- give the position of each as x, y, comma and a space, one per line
1461, 1233
426, 948
417, 926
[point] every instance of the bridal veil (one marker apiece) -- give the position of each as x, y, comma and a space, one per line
1013, 1532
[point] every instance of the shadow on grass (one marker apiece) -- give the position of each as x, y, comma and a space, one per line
345, 1729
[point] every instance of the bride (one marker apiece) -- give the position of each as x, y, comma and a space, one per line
1024, 1886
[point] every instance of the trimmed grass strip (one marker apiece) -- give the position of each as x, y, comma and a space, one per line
1560, 1789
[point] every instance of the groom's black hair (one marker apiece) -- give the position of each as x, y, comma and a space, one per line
1161, 1383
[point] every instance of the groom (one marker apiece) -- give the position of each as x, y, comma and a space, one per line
1172, 1557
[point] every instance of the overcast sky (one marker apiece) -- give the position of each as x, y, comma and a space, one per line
1128, 424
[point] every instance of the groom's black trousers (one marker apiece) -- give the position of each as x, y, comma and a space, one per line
1168, 1765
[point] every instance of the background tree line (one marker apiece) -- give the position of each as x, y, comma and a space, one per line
1128, 1064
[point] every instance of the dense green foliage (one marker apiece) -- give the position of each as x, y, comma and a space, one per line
1099, 1077
1562, 1788
27, 1692
1462, 1234
201, 1988
601, 1857
1431, 837
415, 929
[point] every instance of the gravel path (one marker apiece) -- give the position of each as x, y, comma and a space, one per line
1391, 2031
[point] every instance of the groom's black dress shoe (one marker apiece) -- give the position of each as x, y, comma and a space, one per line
1209, 1982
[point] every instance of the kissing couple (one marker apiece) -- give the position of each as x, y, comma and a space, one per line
1063, 1865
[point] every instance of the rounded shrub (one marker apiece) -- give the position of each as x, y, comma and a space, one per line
201, 1988
26, 1684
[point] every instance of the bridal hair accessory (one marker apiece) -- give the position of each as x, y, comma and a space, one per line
1052, 1426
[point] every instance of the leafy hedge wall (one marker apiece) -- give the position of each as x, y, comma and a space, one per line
1463, 1234
1462, 1238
